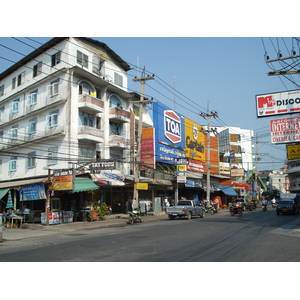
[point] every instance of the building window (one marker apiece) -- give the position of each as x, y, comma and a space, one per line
86, 119
1, 113
52, 119
52, 156
15, 106
32, 126
86, 88
31, 160
21, 78
13, 83
37, 69
32, 98
115, 129
55, 59
118, 79
115, 101
82, 59
53, 88
13, 164
14, 132
2, 90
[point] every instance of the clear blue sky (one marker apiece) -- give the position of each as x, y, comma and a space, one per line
220, 73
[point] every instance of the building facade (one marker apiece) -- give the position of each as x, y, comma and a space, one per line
64, 106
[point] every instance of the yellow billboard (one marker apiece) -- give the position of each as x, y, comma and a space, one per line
293, 151
194, 140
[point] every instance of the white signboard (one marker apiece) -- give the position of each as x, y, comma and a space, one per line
278, 103
285, 130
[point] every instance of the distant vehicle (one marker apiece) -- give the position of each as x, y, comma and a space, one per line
245, 204
186, 208
288, 204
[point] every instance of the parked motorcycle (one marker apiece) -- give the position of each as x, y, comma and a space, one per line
134, 216
236, 209
109, 210
212, 210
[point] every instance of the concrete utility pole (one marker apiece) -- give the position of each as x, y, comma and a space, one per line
142, 102
207, 132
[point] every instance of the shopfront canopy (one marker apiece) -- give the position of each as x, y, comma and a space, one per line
83, 184
3, 192
228, 190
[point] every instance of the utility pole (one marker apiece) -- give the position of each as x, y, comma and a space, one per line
142, 102
207, 132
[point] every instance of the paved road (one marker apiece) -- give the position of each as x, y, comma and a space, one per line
254, 237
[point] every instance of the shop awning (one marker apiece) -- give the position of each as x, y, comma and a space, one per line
84, 184
228, 190
3, 192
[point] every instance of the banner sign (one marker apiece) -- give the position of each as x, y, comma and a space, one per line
103, 165
285, 130
278, 103
169, 134
63, 180
32, 192
148, 149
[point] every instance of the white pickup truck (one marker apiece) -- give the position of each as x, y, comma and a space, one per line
185, 208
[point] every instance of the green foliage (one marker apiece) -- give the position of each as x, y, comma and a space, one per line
102, 210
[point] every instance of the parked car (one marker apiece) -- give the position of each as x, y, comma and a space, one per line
288, 204
185, 208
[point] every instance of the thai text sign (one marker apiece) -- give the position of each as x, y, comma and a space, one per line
147, 149
285, 130
63, 180
278, 103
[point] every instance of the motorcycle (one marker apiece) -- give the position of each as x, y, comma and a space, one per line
264, 206
134, 216
274, 205
109, 210
236, 209
212, 210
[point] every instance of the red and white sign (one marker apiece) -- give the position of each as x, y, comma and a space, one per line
285, 130
172, 126
278, 103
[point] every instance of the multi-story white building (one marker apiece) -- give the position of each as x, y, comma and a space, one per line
236, 147
65, 105
65, 102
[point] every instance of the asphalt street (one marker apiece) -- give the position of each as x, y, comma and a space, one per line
255, 237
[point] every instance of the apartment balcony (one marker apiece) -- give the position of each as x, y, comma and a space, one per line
118, 141
117, 114
90, 133
90, 104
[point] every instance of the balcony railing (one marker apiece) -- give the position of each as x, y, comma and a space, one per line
90, 133
90, 104
118, 141
119, 114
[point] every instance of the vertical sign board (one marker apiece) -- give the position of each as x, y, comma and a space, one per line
169, 134
194, 145
63, 180
285, 130
148, 149
278, 103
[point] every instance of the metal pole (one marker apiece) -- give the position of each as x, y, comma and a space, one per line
142, 103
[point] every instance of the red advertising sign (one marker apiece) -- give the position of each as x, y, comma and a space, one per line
285, 130
147, 149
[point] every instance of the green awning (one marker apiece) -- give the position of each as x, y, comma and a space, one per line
3, 192
84, 184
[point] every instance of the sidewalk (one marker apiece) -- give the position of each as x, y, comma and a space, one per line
35, 230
